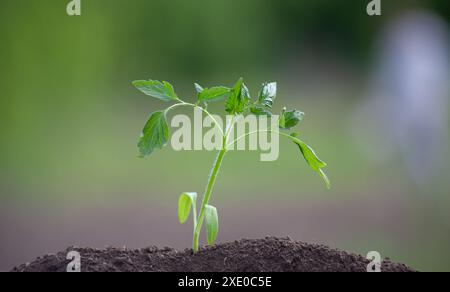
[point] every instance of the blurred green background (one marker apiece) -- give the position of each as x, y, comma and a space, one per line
70, 119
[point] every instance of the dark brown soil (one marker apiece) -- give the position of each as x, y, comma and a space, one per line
266, 255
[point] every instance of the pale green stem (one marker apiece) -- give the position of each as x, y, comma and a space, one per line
198, 222
210, 186
230, 129
182, 103
207, 196
215, 170
256, 132
214, 173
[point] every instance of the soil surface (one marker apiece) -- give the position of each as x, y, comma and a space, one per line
265, 255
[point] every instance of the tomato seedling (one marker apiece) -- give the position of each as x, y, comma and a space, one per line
238, 103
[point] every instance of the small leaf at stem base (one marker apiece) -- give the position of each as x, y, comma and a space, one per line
211, 224
185, 202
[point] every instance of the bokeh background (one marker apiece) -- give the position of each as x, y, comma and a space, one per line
375, 91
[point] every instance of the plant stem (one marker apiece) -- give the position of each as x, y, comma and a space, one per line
214, 172
198, 222
182, 103
256, 132
207, 196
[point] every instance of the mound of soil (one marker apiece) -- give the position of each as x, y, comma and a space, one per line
266, 255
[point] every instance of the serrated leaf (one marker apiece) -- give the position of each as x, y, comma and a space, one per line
232, 103
185, 203
239, 98
260, 111
268, 94
211, 224
290, 119
198, 88
214, 94
155, 134
161, 90
312, 159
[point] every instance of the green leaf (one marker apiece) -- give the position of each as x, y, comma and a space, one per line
325, 178
239, 98
232, 103
185, 202
211, 224
198, 88
312, 159
268, 94
260, 111
214, 94
161, 90
290, 119
155, 134
245, 93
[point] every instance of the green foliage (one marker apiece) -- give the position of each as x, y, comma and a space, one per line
211, 224
198, 88
311, 158
185, 202
161, 90
260, 111
290, 119
239, 98
238, 102
155, 134
213, 93
268, 94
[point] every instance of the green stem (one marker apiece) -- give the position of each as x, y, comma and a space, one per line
256, 132
198, 222
207, 196
182, 103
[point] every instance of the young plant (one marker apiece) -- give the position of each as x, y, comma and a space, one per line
238, 103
